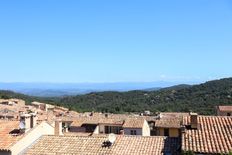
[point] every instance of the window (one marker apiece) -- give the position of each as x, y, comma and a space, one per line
89, 127
166, 132
228, 114
113, 129
107, 129
133, 132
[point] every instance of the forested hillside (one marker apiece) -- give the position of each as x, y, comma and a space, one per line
199, 98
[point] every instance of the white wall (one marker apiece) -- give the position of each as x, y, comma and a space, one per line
127, 131
101, 128
96, 131
146, 129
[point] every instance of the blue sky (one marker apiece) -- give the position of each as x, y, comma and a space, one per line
115, 40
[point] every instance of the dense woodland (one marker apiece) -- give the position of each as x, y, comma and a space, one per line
183, 98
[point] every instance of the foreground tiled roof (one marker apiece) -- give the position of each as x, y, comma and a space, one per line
213, 136
123, 145
225, 108
7, 139
77, 134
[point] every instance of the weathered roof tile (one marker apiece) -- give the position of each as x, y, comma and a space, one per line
126, 145
213, 136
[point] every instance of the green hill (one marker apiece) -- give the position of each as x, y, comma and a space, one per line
198, 98
5, 94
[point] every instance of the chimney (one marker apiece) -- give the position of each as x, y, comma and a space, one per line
106, 115
33, 120
193, 120
58, 128
121, 132
25, 122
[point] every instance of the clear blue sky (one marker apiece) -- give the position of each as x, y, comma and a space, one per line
115, 40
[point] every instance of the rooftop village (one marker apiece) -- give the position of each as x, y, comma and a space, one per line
41, 128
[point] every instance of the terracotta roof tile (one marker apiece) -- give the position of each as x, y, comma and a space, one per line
7, 139
168, 123
77, 134
213, 136
95, 120
126, 122
123, 145
173, 114
133, 123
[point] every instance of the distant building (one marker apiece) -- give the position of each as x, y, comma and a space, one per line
136, 126
8, 114
169, 124
224, 110
38, 105
49, 107
12, 101
105, 125
168, 127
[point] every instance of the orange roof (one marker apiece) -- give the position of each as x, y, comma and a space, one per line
133, 123
93, 120
7, 112
225, 108
127, 121
179, 115
7, 140
77, 134
168, 123
123, 145
214, 135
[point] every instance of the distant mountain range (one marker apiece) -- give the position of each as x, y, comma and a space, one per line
67, 89
201, 98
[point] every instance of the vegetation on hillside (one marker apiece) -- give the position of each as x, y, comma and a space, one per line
198, 98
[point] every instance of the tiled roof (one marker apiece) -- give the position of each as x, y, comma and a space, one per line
12, 109
213, 136
134, 123
61, 108
95, 120
37, 103
7, 139
225, 108
129, 122
170, 120
123, 145
177, 115
168, 123
77, 134
7, 112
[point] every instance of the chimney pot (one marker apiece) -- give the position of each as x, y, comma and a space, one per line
33, 120
194, 120
58, 128
106, 115
25, 122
